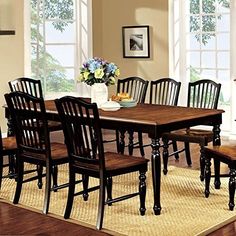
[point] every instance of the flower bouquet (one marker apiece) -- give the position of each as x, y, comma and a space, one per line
97, 70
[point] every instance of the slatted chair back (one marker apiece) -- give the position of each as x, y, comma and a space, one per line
30, 124
136, 87
82, 130
164, 91
203, 94
27, 85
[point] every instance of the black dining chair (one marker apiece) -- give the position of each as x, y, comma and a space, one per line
201, 94
83, 135
164, 91
33, 87
33, 142
136, 87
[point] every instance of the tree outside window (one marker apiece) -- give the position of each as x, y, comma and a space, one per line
53, 44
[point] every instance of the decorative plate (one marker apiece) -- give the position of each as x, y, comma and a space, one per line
110, 106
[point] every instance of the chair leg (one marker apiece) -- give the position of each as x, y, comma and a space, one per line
54, 177
85, 186
131, 143
19, 181
165, 155
109, 189
217, 182
122, 142
101, 204
142, 191
140, 141
207, 176
12, 166
16, 167
202, 163
187, 153
70, 197
47, 188
117, 141
175, 149
40, 178
232, 185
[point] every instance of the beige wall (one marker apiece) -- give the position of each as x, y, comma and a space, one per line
11, 53
108, 35
108, 18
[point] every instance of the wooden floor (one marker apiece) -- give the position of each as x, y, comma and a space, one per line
18, 221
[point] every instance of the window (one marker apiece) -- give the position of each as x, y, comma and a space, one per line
60, 42
201, 48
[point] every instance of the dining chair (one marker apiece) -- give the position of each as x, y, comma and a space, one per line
227, 155
136, 87
33, 141
164, 91
201, 94
83, 135
34, 87
7, 147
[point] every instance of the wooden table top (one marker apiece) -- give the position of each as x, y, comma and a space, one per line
154, 118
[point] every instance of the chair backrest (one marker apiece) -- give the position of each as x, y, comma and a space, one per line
203, 94
27, 85
135, 86
164, 91
29, 121
82, 130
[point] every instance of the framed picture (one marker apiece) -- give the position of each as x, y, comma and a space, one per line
136, 41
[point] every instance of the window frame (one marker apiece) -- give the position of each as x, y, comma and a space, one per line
178, 62
81, 53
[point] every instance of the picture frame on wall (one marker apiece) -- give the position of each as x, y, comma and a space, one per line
136, 41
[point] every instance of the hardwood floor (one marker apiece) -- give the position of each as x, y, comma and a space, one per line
18, 221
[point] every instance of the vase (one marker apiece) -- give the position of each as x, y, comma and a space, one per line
99, 93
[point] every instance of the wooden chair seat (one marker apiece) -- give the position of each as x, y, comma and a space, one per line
203, 137
58, 154
115, 164
9, 144
227, 155
8, 147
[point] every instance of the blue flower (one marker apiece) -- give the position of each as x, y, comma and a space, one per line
94, 65
111, 68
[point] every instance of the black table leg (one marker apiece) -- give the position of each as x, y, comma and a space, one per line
156, 175
217, 142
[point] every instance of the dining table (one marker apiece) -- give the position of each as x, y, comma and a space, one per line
154, 120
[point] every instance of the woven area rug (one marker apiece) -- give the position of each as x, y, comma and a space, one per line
185, 210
